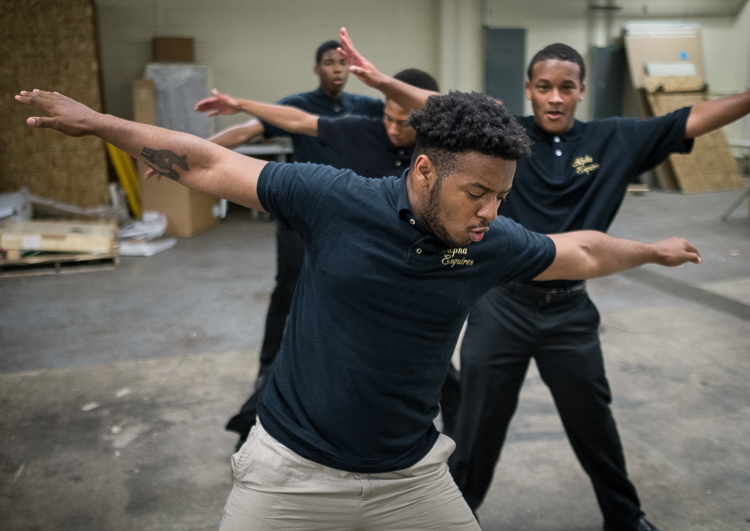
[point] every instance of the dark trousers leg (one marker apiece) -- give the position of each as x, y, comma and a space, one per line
572, 366
290, 253
449, 400
491, 378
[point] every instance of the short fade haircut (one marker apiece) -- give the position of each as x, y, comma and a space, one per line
323, 48
559, 51
418, 78
457, 122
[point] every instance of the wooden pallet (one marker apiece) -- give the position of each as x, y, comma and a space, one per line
89, 237
58, 264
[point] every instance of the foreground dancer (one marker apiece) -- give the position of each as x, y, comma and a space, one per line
575, 179
368, 146
328, 99
345, 437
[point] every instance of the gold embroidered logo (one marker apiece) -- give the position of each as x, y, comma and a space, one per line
454, 257
584, 165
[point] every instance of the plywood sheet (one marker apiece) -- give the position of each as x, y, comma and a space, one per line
711, 167
50, 45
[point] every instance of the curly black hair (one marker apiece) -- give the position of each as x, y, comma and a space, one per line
453, 123
559, 51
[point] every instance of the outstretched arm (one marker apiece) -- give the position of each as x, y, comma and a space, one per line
239, 134
405, 95
193, 161
288, 118
709, 115
591, 254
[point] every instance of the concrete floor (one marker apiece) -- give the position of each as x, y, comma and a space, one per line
115, 386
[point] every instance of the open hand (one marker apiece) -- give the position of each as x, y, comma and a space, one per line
65, 115
218, 104
358, 65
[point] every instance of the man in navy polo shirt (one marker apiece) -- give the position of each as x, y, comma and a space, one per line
575, 179
329, 99
345, 438
368, 146
371, 147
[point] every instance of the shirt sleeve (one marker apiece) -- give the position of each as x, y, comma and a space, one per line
523, 253
651, 141
293, 192
367, 106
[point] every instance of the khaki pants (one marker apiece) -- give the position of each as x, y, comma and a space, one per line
274, 488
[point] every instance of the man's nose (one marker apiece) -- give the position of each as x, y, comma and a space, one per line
489, 210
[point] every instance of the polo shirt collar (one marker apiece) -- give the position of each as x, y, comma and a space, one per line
537, 133
318, 93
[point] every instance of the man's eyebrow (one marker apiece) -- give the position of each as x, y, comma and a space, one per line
487, 189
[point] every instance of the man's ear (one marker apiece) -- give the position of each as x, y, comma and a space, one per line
583, 91
424, 171
316, 70
527, 88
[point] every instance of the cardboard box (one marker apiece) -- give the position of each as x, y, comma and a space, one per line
188, 212
173, 50
662, 43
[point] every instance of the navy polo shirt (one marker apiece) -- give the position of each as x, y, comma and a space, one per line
577, 180
363, 146
311, 149
378, 309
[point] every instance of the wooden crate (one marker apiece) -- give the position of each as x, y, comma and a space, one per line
58, 264
95, 238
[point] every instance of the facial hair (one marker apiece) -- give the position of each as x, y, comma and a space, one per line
431, 217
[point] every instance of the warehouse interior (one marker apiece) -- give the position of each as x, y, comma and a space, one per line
118, 374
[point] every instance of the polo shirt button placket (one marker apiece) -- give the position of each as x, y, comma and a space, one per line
558, 151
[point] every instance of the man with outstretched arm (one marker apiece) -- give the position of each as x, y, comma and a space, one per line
575, 179
371, 148
345, 437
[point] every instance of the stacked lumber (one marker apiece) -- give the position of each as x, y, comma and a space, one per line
33, 248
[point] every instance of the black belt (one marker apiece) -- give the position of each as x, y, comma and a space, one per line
547, 295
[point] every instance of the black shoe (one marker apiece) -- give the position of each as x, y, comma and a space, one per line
641, 525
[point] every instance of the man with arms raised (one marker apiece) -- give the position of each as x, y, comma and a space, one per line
345, 438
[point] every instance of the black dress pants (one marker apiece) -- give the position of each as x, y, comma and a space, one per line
504, 332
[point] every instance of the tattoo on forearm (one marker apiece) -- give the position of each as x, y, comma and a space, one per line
162, 160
